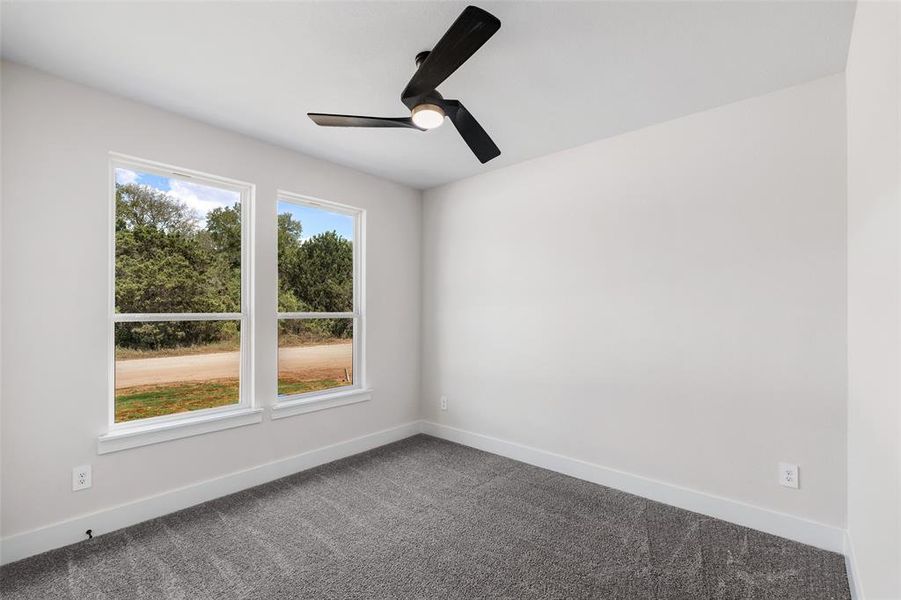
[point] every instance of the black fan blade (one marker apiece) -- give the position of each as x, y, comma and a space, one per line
327, 120
475, 137
468, 33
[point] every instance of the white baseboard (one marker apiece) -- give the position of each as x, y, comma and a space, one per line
23, 545
783, 525
59, 534
851, 566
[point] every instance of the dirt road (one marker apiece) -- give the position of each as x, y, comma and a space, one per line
306, 362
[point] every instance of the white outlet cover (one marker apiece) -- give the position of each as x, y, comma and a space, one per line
443, 402
81, 478
789, 475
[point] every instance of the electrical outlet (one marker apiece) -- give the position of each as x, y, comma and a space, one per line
443, 402
81, 478
788, 475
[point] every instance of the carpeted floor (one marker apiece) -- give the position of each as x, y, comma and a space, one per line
424, 518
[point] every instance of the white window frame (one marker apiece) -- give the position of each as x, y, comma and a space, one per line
293, 404
139, 432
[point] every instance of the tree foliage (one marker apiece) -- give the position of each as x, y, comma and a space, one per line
142, 206
166, 261
314, 275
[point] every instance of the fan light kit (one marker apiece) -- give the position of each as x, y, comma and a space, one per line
427, 116
427, 107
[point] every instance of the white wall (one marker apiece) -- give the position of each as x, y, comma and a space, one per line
669, 302
874, 299
56, 139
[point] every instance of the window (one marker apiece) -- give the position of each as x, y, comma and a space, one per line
180, 320
320, 316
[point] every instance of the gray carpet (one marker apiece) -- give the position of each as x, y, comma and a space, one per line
424, 518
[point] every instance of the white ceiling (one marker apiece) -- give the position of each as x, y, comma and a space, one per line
556, 75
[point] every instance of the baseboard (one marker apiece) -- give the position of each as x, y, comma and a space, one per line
63, 533
60, 534
851, 566
784, 525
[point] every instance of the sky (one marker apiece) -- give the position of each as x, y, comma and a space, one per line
200, 198
317, 220
203, 198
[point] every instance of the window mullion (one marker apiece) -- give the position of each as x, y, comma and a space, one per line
318, 315
137, 317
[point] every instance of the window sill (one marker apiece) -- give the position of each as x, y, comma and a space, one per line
300, 406
126, 438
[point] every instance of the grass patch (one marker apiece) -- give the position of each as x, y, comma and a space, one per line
293, 340
289, 387
233, 345
157, 400
214, 348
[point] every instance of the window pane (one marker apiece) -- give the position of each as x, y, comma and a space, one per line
315, 259
314, 354
169, 367
178, 245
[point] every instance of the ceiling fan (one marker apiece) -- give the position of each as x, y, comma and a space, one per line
427, 107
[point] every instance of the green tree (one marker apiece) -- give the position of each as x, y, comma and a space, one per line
143, 206
223, 232
289, 243
163, 272
314, 275
326, 272
224, 228
165, 263
326, 279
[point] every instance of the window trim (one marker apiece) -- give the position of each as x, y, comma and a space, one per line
197, 423
291, 404
321, 400
140, 432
